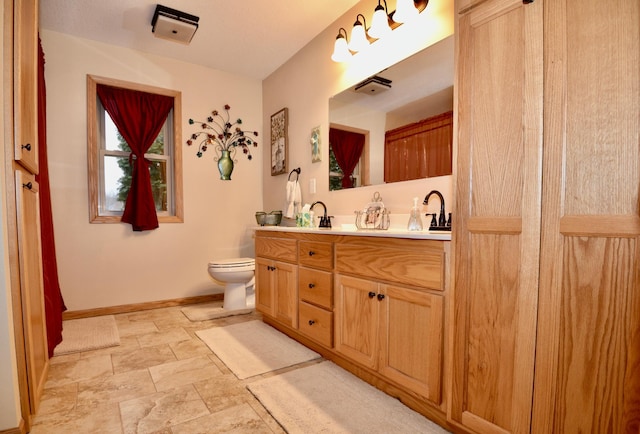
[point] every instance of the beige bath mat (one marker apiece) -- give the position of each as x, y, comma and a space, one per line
207, 311
253, 347
324, 398
87, 334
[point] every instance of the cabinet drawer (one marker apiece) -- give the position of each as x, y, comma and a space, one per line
400, 261
316, 323
277, 248
315, 286
316, 254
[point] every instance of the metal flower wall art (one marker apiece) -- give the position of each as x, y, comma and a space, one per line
225, 138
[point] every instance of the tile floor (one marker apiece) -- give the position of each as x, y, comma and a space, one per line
161, 379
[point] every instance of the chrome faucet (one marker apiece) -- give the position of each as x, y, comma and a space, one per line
443, 224
325, 220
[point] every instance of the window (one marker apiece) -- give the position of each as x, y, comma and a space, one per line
109, 154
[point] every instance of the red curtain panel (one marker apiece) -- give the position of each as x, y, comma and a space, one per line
139, 116
347, 147
53, 301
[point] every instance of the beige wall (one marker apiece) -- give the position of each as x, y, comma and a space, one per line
107, 264
304, 85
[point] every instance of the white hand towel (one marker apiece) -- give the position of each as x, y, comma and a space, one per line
297, 198
290, 205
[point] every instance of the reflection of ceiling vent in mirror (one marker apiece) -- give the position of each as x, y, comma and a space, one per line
373, 85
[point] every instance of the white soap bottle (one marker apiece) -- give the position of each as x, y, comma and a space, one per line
415, 221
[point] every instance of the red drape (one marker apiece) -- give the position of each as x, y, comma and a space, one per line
139, 117
347, 147
53, 302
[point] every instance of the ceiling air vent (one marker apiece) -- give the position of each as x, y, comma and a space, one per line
174, 25
373, 85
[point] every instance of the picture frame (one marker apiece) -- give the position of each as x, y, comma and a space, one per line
316, 154
279, 139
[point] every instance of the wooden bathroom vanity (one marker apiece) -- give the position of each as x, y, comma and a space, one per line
375, 305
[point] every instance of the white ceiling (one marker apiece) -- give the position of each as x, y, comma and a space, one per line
251, 38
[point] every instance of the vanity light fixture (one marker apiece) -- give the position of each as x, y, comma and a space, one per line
359, 39
382, 23
341, 51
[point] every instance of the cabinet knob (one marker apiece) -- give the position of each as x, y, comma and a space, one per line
311, 322
311, 286
311, 253
372, 294
380, 296
28, 185
27, 146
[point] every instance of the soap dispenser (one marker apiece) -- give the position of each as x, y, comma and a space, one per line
415, 221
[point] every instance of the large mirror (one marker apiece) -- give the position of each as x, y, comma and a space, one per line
397, 124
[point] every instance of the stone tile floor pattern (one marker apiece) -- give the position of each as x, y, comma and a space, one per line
161, 379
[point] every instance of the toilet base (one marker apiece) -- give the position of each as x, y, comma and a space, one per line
236, 297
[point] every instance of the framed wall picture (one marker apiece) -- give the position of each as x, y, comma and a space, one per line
315, 145
279, 124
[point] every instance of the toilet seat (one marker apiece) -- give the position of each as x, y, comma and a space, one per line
232, 263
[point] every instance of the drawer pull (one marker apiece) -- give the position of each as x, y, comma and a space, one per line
311, 286
311, 322
271, 268
380, 296
311, 253
372, 294
28, 185
27, 146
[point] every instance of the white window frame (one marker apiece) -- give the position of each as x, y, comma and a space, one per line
97, 152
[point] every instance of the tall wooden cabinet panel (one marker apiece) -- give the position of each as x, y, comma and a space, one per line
497, 216
26, 83
588, 352
547, 243
33, 316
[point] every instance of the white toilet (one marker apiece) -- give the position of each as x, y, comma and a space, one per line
237, 274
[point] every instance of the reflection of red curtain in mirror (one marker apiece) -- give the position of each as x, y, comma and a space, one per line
139, 117
347, 147
419, 150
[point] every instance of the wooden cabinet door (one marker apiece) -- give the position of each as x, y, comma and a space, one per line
31, 286
411, 338
286, 293
265, 287
26, 83
356, 319
588, 352
497, 216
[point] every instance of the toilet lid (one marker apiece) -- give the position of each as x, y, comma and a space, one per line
232, 263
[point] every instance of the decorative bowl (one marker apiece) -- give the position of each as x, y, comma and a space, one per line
272, 219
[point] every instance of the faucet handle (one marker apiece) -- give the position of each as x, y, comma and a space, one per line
449, 221
434, 222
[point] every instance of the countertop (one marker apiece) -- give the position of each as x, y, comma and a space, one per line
352, 230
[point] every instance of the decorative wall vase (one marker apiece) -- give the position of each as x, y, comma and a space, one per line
225, 166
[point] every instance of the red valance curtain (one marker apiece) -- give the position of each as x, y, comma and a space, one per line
139, 117
53, 302
347, 147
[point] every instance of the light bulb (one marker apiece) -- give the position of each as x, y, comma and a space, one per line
405, 11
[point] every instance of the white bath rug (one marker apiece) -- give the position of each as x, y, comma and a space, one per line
208, 311
324, 398
87, 334
253, 347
